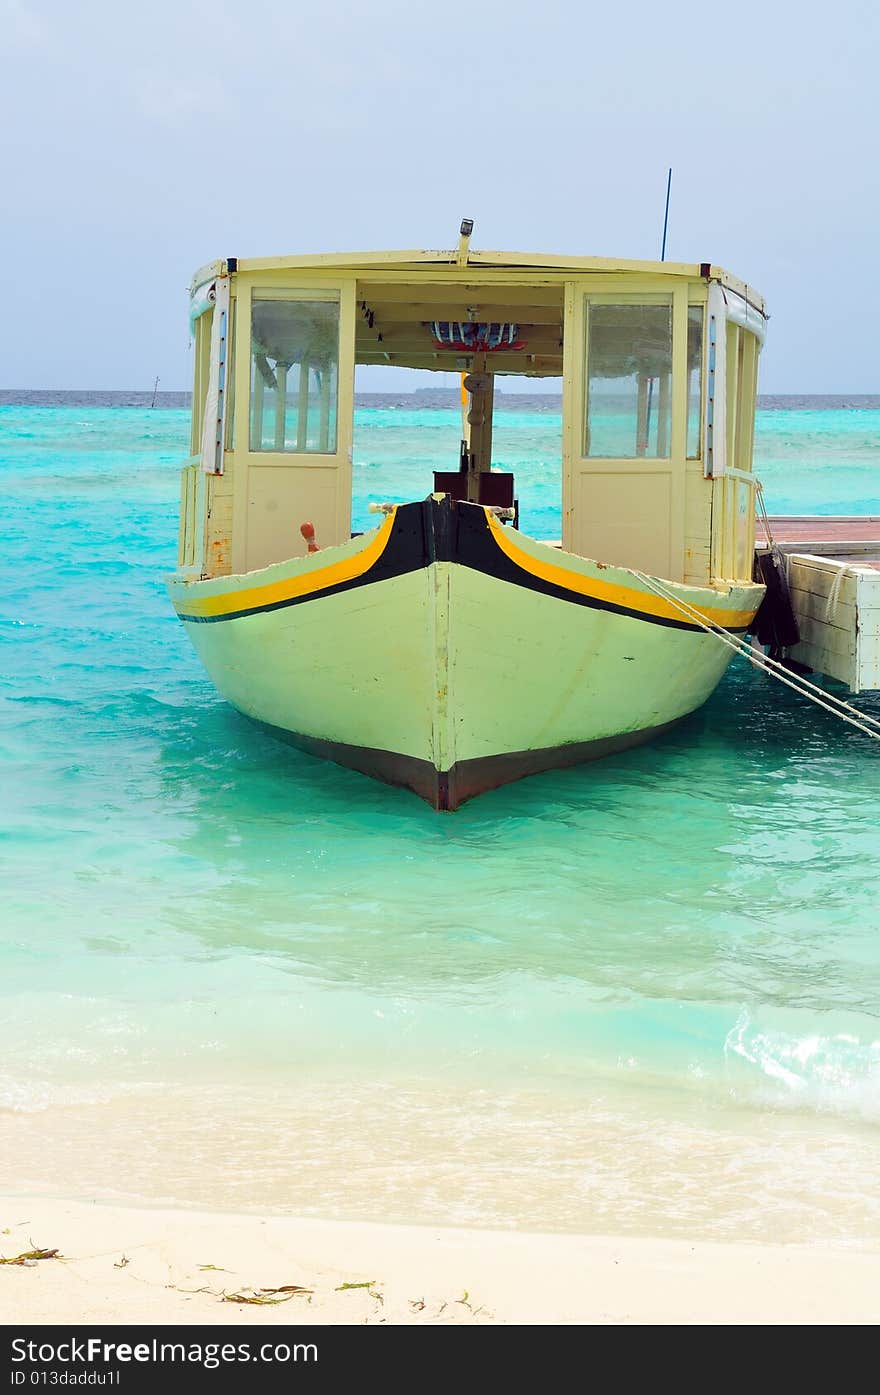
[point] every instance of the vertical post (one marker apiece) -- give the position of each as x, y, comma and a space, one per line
258, 403
324, 434
488, 417
575, 407
281, 370
345, 408
672, 433
642, 416
663, 417
302, 410
729, 486
475, 441
674, 415
482, 400
732, 364
246, 373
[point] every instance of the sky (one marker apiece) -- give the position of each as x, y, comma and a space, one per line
138, 142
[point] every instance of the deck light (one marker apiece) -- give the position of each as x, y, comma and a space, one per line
467, 227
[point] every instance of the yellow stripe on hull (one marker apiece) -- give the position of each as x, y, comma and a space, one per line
308, 578
627, 597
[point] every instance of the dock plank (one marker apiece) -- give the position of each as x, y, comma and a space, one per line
816, 528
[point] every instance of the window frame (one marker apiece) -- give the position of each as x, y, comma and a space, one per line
304, 295
590, 298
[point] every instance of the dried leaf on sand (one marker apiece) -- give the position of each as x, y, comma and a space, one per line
266, 1296
30, 1257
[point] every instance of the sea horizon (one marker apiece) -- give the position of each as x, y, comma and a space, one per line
424, 398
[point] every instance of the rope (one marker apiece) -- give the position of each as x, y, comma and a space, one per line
833, 597
763, 515
836, 706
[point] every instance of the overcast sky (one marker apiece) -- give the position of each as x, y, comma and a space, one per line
140, 141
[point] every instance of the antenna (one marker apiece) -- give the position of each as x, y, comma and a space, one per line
666, 215
650, 405
155, 390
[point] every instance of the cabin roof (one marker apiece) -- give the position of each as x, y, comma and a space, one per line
421, 262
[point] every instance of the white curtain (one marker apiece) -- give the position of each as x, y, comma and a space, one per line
213, 421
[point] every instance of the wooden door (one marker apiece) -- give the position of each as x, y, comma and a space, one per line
294, 381
625, 424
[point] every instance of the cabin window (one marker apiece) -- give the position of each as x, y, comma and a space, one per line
294, 375
695, 382
629, 380
742, 371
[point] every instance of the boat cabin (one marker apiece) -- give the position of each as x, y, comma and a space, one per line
658, 362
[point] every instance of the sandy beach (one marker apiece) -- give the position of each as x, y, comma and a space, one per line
123, 1265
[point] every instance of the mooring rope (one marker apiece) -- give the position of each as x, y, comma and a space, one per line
763, 515
836, 706
834, 596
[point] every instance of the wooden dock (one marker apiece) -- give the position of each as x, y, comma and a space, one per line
834, 577
831, 536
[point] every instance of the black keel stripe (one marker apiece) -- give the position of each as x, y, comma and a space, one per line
439, 531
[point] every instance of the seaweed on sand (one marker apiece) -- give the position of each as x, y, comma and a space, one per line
30, 1257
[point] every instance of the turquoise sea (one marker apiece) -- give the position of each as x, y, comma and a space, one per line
641, 995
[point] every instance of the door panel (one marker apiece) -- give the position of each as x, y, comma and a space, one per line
280, 500
625, 413
293, 440
626, 513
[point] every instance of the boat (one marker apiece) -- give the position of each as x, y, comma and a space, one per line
445, 649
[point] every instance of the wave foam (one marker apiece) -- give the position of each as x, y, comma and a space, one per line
838, 1073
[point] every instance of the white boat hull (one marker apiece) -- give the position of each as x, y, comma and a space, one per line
447, 654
